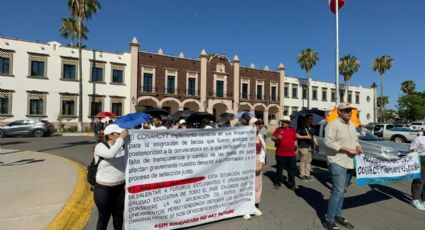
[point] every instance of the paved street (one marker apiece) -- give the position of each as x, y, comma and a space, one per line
368, 207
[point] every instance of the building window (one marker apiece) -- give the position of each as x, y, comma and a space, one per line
286, 90
37, 69
37, 104
304, 92
294, 109
117, 76
259, 92
68, 107
171, 81
274, 93
5, 102
341, 96
314, 93
357, 98
4, 65
245, 90
96, 105
117, 73
38, 65
191, 86
333, 95
147, 82
97, 74
368, 99
368, 116
294, 91
350, 97
69, 68
324, 94
69, 72
219, 87
117, 108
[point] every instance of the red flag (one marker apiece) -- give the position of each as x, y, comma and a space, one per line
333, 2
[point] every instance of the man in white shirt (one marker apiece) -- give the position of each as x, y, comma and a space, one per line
418, 196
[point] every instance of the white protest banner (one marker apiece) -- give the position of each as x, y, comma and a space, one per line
372, 169
185, 177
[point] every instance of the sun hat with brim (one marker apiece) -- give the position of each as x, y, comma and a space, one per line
346, 105
112, 128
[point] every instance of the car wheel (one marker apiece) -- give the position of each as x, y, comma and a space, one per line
1, 134
398, 139
38, 133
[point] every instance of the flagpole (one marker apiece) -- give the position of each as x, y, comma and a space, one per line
336, 53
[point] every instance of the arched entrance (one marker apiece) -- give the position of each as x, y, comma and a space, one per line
273, 114
259, 111
244, 107
146, 102
192, 106
171, 106
218, 109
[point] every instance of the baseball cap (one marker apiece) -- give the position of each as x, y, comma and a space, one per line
112, 128
246, 116
252, 120
182, 121
346, 105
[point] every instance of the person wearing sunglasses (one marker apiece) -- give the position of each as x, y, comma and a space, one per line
341, 139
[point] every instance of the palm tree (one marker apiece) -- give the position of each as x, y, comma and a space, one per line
82, 10
307, 59
69, 29
408, 87
348, 65
382, 64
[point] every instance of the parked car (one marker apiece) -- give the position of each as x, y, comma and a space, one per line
379, 129
369, 142
418, 125
34, 127
401, 135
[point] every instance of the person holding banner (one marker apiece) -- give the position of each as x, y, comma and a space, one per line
260, 150
343, 145
418, 195
109, 192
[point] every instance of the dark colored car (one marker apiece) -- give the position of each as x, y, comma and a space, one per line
33, 127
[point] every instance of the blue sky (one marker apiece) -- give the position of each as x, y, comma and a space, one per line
266, 32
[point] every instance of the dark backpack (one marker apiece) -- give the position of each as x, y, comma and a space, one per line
92, 169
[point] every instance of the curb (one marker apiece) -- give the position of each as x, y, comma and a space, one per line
77, 210
76, 134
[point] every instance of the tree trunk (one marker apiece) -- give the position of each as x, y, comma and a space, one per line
381, 107
308, 90
80, 78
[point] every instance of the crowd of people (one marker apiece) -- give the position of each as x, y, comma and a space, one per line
340, 139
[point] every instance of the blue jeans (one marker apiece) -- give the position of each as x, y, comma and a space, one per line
341, 178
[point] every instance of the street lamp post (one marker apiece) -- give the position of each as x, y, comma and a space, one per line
373, 87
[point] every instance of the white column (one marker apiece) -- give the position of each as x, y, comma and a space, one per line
203, 81
134, 48
281, 90
266, 117
236, 84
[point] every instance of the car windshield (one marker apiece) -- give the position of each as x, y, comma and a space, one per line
368, 136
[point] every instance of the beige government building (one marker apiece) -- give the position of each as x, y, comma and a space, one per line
40, 80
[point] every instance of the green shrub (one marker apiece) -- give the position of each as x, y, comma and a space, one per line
73, 129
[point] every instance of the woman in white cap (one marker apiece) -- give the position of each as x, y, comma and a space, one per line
109, 192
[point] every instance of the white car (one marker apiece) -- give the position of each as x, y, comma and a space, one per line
418, 125
401, 135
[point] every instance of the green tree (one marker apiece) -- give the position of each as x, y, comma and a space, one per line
382, 102
382, 64
82, 10
411, 107
348, 65
307, 59
69, 29
408, 87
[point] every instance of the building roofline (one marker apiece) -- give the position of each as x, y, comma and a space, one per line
167, 55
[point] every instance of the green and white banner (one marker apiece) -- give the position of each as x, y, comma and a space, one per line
372, 169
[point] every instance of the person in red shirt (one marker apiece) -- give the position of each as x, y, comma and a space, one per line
285, 138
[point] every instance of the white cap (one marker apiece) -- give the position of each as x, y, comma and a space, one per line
182, 121
252, 120
112, 128
286, 118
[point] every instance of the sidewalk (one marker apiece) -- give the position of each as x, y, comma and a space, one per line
42, 191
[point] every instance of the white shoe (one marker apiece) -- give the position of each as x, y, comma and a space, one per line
418, 205
257, 212
247, 217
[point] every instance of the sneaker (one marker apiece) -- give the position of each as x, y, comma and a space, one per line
330, 226
344, 222
247, 217
418, 205
257, 212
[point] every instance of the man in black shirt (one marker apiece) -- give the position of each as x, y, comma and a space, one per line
305, 146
